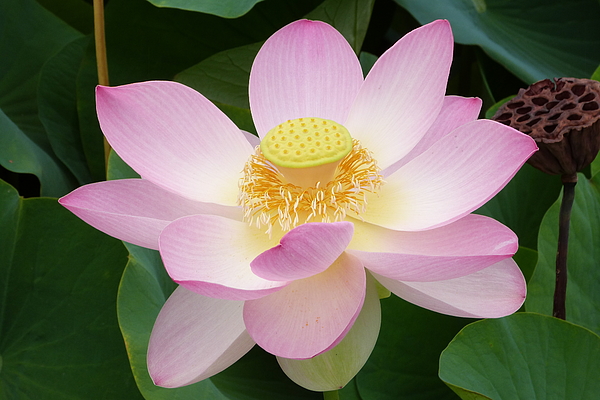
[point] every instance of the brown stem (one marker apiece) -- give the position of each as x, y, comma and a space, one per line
564, 220
101, 59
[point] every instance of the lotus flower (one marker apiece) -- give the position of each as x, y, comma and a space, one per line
357, 183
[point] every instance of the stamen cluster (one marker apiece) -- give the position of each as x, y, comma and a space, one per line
268, 199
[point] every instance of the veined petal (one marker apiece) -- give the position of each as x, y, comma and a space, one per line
455, 176
135, 210
456, 111
211, 255
310, 315
304, 251
194, 338
468, 245
174, 137
403, 93
494, 292
306, 69
333, 369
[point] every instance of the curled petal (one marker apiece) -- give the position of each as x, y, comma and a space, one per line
174, 137
494, 292
306, 69
403, 93
211, 255
465, 246
311, 315
456, 111
455, 176
304, 251
333, 369
135, 210
194, 338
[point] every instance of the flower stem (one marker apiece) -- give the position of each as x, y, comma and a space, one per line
332, 395
101, 60
564, 220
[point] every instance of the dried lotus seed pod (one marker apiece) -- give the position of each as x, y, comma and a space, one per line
562, 117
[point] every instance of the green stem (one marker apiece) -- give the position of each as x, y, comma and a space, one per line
564, 220
101, 59
332, 395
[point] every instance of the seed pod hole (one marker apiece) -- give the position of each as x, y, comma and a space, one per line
587, 97
516, 104
539, 101
554, 117
550, 128
578, 90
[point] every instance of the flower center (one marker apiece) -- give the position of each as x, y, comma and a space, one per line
307, 170
307, 150
306, 142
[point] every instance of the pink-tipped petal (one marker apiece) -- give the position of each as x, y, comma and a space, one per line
194, 338
333, 369
174, 137
304, 251
403, 93
494, 292
135, 210
310, 315
306, 69
455, 176
211, 255
461, 248
456, 111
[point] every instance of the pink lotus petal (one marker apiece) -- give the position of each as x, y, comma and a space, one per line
304, 251
403, 93
456, 111
453, 177
333, 369
494, 292
306, 69
135, 210
174, 137
468, 245
251, 138
310, 315
211, 255
194, 338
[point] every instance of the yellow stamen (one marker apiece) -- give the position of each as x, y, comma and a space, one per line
268, 198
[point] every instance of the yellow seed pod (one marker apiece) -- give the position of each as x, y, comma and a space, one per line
306, 142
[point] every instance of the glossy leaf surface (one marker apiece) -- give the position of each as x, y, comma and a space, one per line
58, 326
404, 363
583, 285
559, 38
523, 356
221, 8
35, 35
